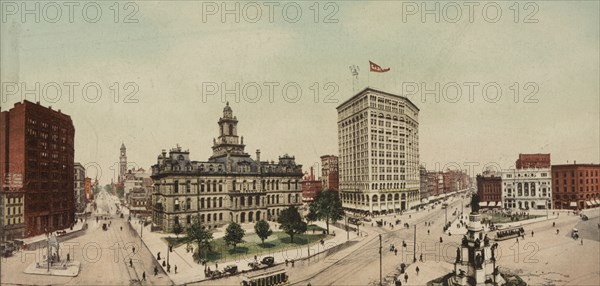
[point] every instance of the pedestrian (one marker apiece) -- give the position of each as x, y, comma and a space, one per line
417, 270
169, 268
406, 277
421, 257
121, 228
130, 262
133, 249
144, 276
155, 270
532, 233
293, 262
396, 252
158, 256
582, 241
286, 262
553, 224
427, 232
557, 231
216, 266
175, 268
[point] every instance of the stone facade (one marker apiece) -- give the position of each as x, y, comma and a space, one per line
79, 188
229, 187
527, 189
330, 172
489, 189
378, 137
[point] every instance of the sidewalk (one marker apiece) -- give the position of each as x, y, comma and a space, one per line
42, 237
190, 271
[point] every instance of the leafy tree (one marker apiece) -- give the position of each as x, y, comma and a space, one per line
326, 206
291, 222
202, 237
234, 234
263, 230
177, 229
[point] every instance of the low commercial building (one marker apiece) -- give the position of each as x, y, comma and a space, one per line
489, 189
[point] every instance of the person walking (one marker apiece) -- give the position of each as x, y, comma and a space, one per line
417, 270
582, 241
421, 257
133, 249
175, 268
130, 262
396, 251
144, 276
405, 277
155, 270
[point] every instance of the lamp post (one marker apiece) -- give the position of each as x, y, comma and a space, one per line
380, 262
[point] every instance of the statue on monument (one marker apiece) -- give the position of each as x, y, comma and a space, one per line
458, 254
475, 203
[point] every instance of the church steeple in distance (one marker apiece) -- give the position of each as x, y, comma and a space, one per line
228, 140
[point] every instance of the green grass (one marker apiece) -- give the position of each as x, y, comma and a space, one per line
175, 241
252, 246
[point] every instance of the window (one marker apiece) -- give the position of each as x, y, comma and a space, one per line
176, 187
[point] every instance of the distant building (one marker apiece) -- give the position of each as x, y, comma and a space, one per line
134, 179
229, 187
310, 187
527, 189
12, 219
537, 161
378, 139
489, 189
122, 164
435, 183
576, 186
330, 172
79, 185
36, 149
423, 189
87, 183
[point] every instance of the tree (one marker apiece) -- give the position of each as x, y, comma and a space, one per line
177, 229
326, 206
263, 230
202, 237
234, 234
291, 222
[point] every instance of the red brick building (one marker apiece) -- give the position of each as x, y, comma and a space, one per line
37, 143
310, 187
330, 173
88, 189
576, 186
489, 189
529, 161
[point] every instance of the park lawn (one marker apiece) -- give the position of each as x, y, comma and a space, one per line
499, 218
252, 246
173, 240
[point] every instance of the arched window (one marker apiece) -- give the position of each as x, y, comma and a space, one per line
220, 202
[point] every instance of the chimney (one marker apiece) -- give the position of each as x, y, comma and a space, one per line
258, 155
574, 162
164, 153
312, 177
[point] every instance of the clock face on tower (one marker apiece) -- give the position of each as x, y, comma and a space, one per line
122, 153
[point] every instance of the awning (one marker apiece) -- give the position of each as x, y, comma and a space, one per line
588, 203
597, 201
573, 204
483, 204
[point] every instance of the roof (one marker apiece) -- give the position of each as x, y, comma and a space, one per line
367, 89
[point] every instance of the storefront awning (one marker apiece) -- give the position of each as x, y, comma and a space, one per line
483, 204
597, 202
588, 203
573, 204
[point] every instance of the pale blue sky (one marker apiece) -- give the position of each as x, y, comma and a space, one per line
171, 52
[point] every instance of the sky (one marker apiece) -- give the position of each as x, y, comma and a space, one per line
490, 83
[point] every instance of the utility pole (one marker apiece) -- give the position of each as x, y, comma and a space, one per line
380, 261
347, 230
415, 244
446, 215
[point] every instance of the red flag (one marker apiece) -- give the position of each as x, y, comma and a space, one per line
376, 68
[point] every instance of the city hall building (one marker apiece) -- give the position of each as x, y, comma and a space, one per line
229, 187
378, 137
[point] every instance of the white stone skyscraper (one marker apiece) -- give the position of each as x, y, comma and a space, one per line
378, 137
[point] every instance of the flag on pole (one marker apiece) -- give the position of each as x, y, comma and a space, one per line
376, 68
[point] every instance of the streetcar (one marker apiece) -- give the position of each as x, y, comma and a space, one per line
267, 277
